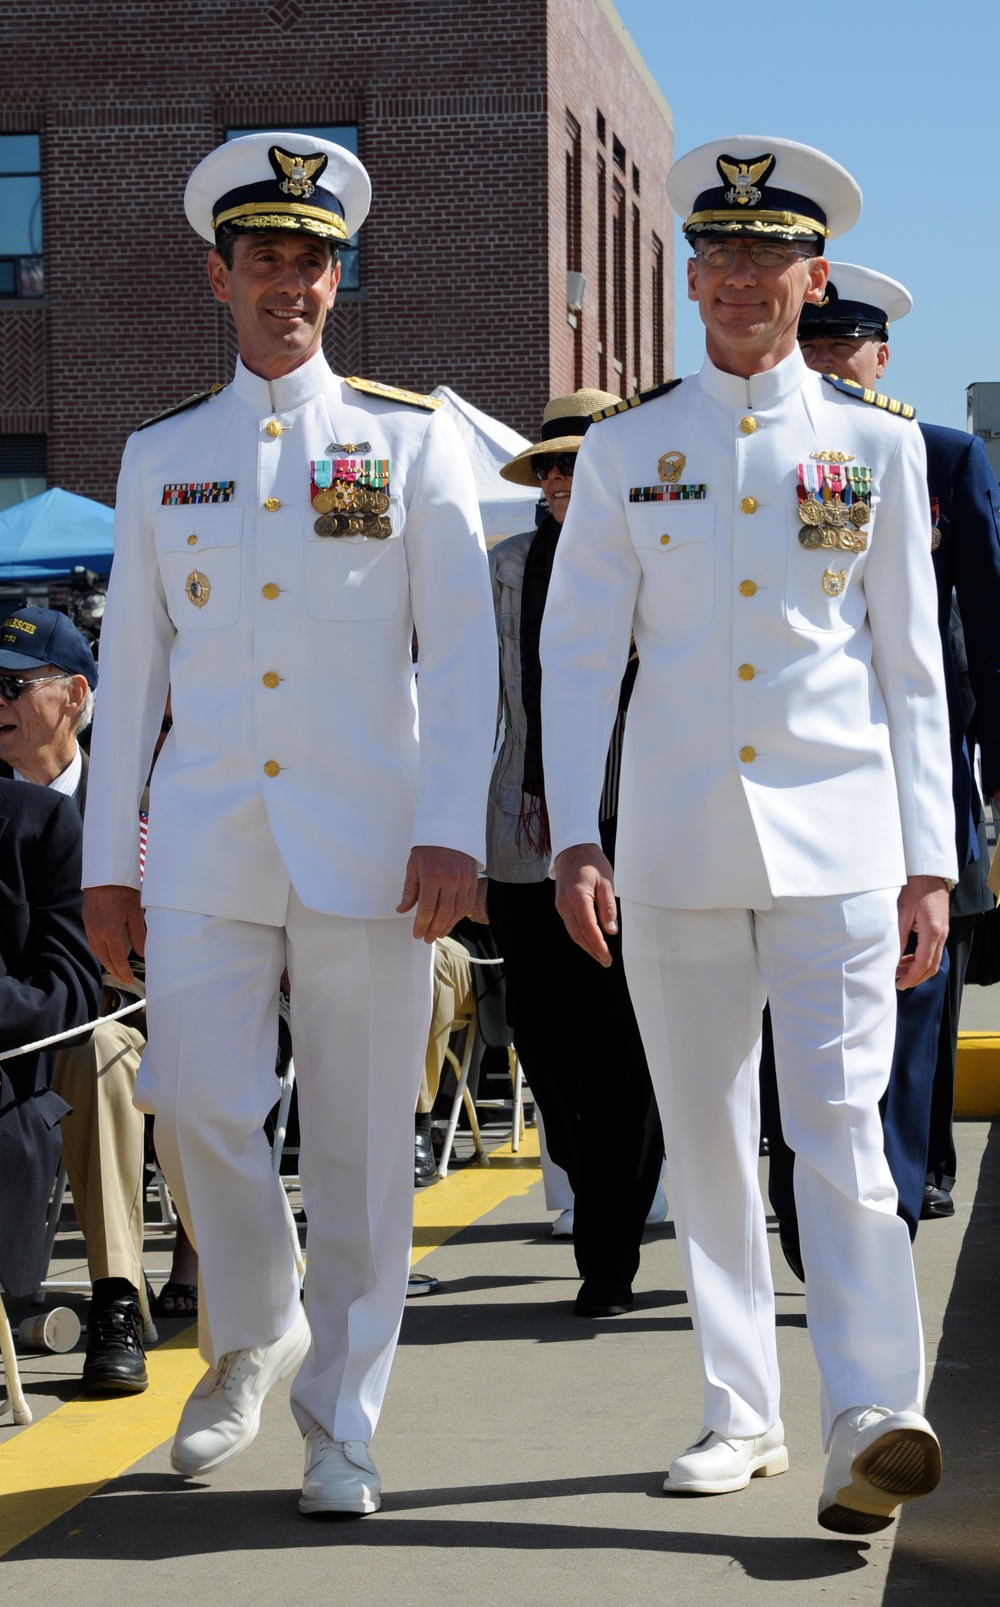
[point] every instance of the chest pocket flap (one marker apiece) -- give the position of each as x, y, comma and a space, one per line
675, 544
198, 549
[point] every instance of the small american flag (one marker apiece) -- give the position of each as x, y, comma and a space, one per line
143, 834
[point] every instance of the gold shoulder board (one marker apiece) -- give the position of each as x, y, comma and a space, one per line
861, 393
181, 407
391, 393
634, 401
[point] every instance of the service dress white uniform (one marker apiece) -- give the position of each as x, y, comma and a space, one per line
786, 767
283, 807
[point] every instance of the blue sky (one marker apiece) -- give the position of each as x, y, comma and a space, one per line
904, 94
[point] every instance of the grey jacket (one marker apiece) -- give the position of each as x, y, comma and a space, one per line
505, 861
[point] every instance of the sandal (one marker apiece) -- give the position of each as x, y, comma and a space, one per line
168, 1302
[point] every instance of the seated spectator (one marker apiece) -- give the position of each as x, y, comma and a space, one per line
47, 681
49, 981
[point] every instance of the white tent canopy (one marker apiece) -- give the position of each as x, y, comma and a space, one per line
506, 509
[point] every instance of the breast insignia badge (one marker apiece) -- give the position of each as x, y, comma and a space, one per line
671, 467
834, 502
834, 581
197, 588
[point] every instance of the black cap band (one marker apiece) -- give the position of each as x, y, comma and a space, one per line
577, 425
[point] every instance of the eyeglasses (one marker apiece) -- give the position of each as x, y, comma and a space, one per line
11, 686
563, 463
723, 253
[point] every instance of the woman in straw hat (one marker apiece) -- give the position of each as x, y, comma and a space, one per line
573, 1023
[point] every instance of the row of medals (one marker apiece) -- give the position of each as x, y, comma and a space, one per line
834, 524
348, 509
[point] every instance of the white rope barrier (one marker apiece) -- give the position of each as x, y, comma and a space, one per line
72, 1032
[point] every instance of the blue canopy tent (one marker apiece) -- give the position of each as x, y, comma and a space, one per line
49, 536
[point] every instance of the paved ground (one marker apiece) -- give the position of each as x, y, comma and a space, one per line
523, 1452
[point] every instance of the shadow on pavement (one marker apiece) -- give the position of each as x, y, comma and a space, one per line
118, 1525
949, 1546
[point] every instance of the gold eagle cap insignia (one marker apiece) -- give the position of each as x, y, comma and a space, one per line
744, 177
298, 170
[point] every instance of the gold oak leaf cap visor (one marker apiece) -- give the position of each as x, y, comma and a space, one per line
279, 181
858, 303
762, 188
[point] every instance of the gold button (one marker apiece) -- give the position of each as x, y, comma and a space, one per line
748, 588
749, 504
273, 768
664, 541
274, 429
271, 680
272, 504
748, 425
748, 755
270, 591
192, 541
746, 672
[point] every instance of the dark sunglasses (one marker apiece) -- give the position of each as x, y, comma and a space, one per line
563, 463
11, 686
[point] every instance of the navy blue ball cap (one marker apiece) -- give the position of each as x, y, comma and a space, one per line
36, 636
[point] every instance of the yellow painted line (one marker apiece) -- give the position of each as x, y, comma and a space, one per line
56, 1463
977, 1076
457, 1201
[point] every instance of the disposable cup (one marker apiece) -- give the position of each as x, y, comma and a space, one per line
58, 1330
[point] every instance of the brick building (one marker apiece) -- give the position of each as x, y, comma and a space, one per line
509, 144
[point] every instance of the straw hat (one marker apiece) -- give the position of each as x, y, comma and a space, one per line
565, 422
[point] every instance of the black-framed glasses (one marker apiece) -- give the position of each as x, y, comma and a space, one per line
544, 463
11, 686
762, 253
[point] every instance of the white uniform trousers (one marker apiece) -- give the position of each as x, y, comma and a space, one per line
698, 980
360, 1010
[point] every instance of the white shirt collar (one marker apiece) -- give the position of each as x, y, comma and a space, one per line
286, 393
69, 781
760, 391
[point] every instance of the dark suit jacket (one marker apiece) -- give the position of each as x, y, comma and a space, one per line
965, 507
7, 773
49, 981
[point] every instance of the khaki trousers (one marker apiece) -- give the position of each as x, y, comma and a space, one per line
102, 1140
453, 997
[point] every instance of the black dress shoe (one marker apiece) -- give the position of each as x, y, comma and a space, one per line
788, 1238
602, 1299
116, 1362
424, 1165
936, 1202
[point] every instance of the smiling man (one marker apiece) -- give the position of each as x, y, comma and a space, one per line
785, 816
277, 543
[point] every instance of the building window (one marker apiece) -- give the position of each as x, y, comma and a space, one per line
602, 274
343, 134
636, 299
658, 358
635, 179
22, 468
618, 153
21, 272
619, 298
602, 129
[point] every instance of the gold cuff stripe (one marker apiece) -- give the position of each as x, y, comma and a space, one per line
784, 220
276, 213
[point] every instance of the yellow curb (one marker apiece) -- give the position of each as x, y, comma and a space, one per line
56, 1463
977, 1077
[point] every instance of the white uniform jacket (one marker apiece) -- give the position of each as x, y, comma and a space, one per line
788, 734
293, 757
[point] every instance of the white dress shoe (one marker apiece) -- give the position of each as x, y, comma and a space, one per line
562, 1227
222, 1413
714, 1466
877, 1460
658, 1210
340, 1476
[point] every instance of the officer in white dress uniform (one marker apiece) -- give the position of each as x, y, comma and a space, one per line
786, 772
277, 544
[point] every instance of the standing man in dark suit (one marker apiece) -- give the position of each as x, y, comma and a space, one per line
849, 335
47, 681
49, 981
